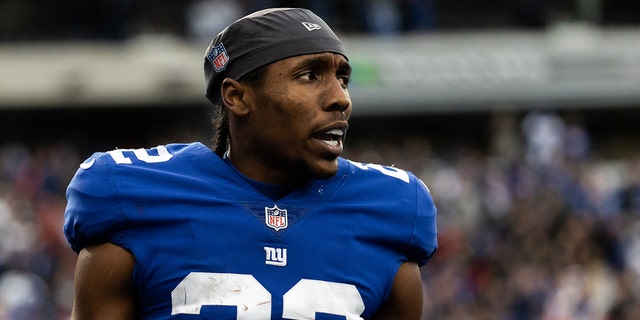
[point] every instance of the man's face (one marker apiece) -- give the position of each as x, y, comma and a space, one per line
298, 117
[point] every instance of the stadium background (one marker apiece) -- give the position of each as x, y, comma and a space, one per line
521, 115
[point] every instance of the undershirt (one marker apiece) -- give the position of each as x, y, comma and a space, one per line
273, 191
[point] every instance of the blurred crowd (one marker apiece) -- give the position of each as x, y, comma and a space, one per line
537, 225
116, 20
36, 267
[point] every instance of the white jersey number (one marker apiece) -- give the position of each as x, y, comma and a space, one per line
388, 171
253, 301
142, 155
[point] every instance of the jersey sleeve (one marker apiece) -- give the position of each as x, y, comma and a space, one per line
93, 211
424, 242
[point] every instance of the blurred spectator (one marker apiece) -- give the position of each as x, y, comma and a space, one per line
577, 143
383, 17
418, 15
206, 18
544, 134
629, 196
24, 296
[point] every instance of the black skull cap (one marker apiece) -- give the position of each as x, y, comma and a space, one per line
264, 37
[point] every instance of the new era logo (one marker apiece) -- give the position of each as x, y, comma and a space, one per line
311, 26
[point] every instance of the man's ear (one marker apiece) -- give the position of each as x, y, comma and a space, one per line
233, 97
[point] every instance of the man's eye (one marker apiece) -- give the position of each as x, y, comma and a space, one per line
309, 76
344, 80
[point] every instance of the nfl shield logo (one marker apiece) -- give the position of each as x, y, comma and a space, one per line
275, 217
218, 57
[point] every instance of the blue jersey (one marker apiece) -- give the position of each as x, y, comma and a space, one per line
207, 245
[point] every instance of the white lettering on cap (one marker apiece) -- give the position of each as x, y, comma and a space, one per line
311, 26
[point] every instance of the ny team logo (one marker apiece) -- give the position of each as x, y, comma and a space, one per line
275, 217
275, 256
218, 57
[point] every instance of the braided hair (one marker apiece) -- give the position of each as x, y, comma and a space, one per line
221, 125
220, 118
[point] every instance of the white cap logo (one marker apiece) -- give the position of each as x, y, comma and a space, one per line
311, 26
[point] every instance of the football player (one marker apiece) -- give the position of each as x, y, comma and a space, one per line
270, 222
